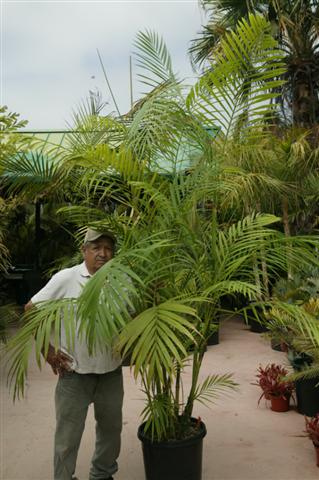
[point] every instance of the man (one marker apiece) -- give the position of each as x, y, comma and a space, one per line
84, 379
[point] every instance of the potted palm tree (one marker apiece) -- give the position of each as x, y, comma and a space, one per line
179, 251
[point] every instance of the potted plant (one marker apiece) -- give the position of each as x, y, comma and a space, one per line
307, 389
303, 356
312, 429
297, 325
271, 379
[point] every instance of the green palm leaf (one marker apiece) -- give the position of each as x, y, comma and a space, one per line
237, 91
156, 336
32, 173
213, 386
42, 326
105, 303
153, 56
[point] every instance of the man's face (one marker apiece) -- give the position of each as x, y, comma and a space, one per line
97, 253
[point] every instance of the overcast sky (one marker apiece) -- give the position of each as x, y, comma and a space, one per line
49, 60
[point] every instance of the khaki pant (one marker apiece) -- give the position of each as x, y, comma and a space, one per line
73, 395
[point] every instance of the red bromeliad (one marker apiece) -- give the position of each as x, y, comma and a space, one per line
271, 381
312, 429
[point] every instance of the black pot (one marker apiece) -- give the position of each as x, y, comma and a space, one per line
307, 396
275, 345
173, 460
214, 338
257, 327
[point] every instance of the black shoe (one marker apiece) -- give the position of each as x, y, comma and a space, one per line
108, 478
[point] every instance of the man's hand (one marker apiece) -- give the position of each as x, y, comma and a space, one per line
59, 361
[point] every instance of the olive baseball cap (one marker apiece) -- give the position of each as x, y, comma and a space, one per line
92, 235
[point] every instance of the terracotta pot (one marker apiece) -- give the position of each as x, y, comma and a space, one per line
279, 404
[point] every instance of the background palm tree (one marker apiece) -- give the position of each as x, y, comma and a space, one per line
295, 25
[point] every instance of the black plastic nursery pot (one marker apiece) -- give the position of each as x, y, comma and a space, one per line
25, 281
257, 327
173, 460
276, 345
255, 324
214, 338
307, 396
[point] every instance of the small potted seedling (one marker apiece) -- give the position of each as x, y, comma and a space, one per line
312, 429
275, 387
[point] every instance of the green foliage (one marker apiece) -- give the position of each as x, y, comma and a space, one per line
237, 92
299, 329
10, 141
33, 173
295, 25
39, 324
8, 316
4, 252
153, 57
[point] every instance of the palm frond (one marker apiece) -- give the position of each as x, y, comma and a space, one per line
213, 386
154, 129
105, 303
236, 93
8, 316
152, 56
297, 319
31, 173
4, 255
41, 325
156, 336
157, 421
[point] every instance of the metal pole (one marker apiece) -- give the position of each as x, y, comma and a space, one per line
108, 83
37, 235
131, 82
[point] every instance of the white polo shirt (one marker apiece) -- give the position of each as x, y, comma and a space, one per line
68, 283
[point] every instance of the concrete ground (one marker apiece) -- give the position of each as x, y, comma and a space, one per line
244, 441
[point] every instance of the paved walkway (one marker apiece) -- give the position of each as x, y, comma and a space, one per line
244, 441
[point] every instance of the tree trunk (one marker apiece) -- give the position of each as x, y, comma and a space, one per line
285, 220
